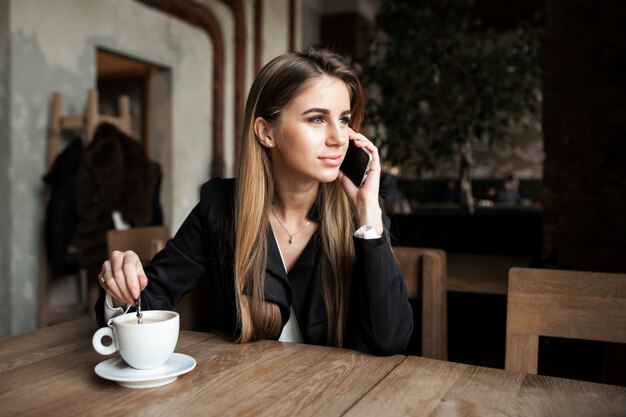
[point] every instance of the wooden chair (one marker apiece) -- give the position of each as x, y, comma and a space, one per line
424, 272
146, 242
570, 304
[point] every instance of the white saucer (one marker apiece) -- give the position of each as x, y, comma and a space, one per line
115, 369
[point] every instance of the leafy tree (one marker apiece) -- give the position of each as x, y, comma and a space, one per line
441, 81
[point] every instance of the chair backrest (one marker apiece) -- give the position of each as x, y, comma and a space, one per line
144, 241
424, 272
557, 303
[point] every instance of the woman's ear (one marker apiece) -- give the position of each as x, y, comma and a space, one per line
263, 132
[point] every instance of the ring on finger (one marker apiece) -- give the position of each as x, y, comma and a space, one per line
103, 277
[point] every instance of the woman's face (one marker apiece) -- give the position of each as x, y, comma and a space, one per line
311, 138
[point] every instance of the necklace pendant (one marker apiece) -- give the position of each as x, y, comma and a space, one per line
291, 240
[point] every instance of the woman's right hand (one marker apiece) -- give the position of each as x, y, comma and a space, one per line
122, 277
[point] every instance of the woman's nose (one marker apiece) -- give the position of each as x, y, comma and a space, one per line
337, 135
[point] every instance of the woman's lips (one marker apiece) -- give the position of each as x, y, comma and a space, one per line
331, 161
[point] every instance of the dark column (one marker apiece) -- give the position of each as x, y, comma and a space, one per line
345, 33
584, 122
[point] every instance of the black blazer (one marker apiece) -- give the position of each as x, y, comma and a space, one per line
380, 319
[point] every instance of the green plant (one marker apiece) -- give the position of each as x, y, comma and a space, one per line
441, 80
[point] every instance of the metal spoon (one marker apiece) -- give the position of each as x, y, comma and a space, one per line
139, 313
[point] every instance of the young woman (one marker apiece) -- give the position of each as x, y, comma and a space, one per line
277, 246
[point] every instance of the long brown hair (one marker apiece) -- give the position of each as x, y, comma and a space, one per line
276, 85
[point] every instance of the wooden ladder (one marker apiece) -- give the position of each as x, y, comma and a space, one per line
82, 125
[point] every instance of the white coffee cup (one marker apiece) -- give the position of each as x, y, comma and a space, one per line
143, 346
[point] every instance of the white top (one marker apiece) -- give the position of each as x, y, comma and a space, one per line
291, 332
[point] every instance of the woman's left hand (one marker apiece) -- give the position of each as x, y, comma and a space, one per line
364, 200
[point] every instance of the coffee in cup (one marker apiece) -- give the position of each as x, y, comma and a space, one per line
142, 346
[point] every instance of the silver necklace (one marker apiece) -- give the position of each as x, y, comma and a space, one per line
291, 235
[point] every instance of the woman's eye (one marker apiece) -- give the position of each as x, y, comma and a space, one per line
316, 119
344, 121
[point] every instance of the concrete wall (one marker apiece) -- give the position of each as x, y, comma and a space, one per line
5, 157
276, 31
52, 48
227, 25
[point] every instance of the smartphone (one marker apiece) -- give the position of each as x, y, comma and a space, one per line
356, 164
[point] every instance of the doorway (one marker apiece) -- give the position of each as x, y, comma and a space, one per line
148, 87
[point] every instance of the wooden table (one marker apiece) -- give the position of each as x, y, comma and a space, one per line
51, 372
